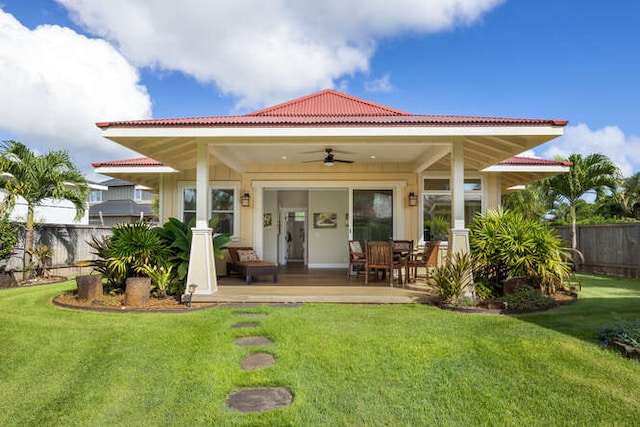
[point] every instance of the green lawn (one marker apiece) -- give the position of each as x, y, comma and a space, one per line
345, 365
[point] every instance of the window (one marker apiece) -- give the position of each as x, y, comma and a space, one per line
137, 195
222, 210
223, 202
437, 206
95, 196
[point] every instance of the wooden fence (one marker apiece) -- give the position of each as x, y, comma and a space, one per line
68, 243
610, 249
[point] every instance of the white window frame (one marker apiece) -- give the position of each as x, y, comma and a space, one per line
218, 185
447, 176
95, 192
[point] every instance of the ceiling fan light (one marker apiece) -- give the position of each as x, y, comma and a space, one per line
329, 163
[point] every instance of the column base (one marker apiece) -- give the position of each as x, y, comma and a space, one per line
202, 266
459, 243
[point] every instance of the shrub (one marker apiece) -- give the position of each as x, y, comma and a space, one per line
8, 236
505, 244
526, 298
43, 255
100, 246
177, 237
625, 332
131, 246
453, 277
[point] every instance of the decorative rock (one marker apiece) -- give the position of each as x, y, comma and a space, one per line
8, 280
251, 315
89, 287
253, 341
260, 399
137, 292
257, 361
246, 325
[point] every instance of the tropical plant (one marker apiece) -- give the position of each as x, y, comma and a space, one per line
177, 237
505, 244
531, 202
438, 228
160, 276
8, 236
593, 173
453, 277
42, 255
36, 178
131, 246
623, 202
101, 250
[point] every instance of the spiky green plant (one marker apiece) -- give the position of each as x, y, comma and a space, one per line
453, 277
42, 255
505, 244
177, 237
133, 245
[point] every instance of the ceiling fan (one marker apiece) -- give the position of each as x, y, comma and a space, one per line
329, 159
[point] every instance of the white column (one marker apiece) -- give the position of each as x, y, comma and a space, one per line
202, 266
459, 235
491, 192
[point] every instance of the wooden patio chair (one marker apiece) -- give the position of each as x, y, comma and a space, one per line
357, 258
380, 257
426, 259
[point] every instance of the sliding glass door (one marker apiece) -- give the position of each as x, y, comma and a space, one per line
372, 214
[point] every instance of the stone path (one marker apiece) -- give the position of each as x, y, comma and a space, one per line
262, 398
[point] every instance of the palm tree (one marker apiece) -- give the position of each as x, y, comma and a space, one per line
531, 202
592, 173
38, 177
624, 202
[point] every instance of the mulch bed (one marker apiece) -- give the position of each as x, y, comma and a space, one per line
493, 307
117, 303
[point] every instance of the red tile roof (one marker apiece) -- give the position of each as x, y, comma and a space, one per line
529, 161
329, 108
140, 161
328, 103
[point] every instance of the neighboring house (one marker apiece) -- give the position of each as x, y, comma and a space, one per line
51, 211
120, 202
326, 168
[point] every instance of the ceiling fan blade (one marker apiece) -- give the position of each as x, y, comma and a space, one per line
342, 161
313, 161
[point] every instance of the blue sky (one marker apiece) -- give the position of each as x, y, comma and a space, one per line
68, 63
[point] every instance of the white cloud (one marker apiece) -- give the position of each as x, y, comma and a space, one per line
379, 85
55, 84
265, 51
623, 150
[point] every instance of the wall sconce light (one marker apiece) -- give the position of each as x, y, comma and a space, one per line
413, 199
192, 289
245, 200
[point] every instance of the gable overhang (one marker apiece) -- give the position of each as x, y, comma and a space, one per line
515, 177
417, 147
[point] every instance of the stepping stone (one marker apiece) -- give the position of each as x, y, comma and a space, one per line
251, 315
246, 325
259, 399
257, 361
242, 305
253, 341
286, 304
